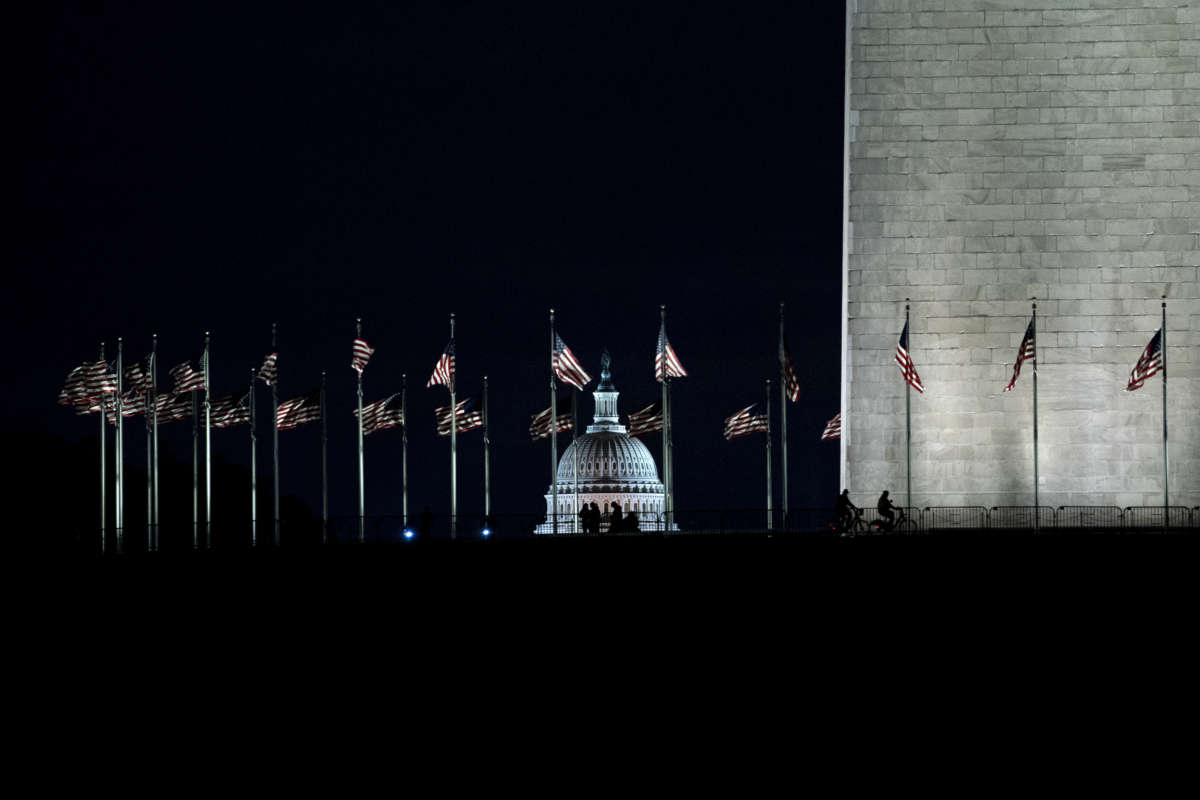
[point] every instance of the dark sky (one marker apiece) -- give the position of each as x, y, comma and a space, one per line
225, 166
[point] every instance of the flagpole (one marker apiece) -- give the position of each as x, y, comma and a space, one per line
553, 434
120, 450
487, 464
103, 465
195, 470
325, 468
1036, 507
275, 435
783, 399
149, 479
207, 447
404, 446
666, 404
907, 417
769, 493
1163, 344
453, 443
361, 495
253, 466
575, 464
154, 405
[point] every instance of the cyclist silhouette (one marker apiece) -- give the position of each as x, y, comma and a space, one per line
885, 508
844, 509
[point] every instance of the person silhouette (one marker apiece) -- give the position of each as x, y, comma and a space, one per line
844, 509
885, 507
584, 518
615, 523
594, 518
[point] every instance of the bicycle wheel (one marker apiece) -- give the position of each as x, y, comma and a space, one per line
906, 525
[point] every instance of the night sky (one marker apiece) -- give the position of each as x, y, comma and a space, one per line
225, 167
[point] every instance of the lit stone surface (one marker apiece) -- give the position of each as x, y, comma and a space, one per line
1002, 150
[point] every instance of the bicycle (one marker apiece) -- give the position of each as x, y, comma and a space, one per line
902, 524
855, 526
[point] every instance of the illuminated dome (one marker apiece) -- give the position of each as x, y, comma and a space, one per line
611, 466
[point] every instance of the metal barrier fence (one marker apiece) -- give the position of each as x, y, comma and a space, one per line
1020, 517
1090, 517
1151, 517
308, 532
937, 518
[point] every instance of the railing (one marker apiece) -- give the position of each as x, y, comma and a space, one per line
937, 518
1020, 517
1090, 517
1151, 517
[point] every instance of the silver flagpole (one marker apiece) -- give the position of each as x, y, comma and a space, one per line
103, 470
907, 418
275, 435
149, 481
1036, 508
453, 442
207, 447
362, 534
325, 472
253, 465
666, 406
575, 452
404, 447
553, 434
195, 471
783, 401
1163, 343
770, 510
120, 450
154, 405
487, 463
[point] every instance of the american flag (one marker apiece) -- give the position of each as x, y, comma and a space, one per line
137, 375
906, 363
791, 384
362, 354
231, 410
297, 411
269, 372
75, 391
833, 428
382, 414
186, 378
1028, 350
132, 404
100, 381
744, 423
665, 360
648, 420
1149, 364
443, 372
467, 412
539, 427
566, 366
172, 407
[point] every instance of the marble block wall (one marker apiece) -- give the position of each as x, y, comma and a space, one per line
1000, 150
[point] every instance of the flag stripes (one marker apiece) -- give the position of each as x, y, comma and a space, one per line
187, 379
137, 375
171, 407
299, 410
362, 354
666, 363
382, 414
1149, 364
791, 384
744, 423
231, 410
468, 415
907, 369
443, 371
539, 426
1028, 350
566, 366
648, 420
268, 373
833, 428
